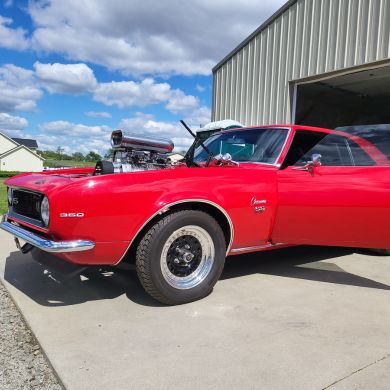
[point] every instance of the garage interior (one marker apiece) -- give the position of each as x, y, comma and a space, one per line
358, 98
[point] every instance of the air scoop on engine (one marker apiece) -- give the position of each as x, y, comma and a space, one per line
135, 153
121, 140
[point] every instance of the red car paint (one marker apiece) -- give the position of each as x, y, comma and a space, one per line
344, 206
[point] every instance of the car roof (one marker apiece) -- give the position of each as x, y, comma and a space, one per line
282, 126
362, 128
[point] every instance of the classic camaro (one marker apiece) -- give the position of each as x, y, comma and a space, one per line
242, 190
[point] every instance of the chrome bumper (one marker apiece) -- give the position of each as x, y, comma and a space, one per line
42, 243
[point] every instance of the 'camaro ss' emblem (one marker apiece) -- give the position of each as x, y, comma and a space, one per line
255, 201
72, 215
15, 201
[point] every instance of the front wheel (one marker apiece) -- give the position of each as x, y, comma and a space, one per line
181, 257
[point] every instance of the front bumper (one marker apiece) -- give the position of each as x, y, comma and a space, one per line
44, 244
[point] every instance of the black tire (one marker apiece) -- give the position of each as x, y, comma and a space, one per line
384, 252
152, 270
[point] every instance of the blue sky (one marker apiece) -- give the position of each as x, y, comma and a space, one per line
71, 71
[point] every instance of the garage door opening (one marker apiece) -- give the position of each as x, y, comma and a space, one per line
354, 99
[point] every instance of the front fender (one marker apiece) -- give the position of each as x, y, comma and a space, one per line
116, 207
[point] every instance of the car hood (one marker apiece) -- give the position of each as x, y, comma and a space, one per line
50, 182
43, 182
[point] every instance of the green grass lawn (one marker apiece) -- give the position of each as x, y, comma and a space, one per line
3, 188
3, 197
68, 163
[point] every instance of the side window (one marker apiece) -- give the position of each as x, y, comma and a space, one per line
338, 151
334, 152
302, 143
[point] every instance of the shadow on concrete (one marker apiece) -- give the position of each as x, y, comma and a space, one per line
50, 289
304, 262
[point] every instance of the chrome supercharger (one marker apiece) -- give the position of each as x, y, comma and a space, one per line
135, 153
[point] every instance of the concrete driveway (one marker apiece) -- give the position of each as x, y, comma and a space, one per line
298, 318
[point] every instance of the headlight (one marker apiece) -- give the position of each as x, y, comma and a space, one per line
45, 211
10, 196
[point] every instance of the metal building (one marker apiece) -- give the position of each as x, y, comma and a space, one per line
316, 62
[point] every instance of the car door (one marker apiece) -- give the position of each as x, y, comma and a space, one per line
343, 202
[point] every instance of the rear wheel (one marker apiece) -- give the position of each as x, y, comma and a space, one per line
181, 257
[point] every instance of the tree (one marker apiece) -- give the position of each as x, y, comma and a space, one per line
92, 156
60, 150
77, 156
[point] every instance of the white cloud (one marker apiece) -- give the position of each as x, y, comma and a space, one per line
13, 133
52, 142
98, 114
130, 93
8, 3
12, 125
147, 126
66, 78
12, 38
74, 137
130, 37
82, 138
18, 89
74, 130
200, 88
146, 92
179, 102
21, 88
182, 144
199, 117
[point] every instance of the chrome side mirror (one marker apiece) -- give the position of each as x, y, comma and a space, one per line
224, 159
314, 162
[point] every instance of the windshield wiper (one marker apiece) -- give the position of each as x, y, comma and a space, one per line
191, 151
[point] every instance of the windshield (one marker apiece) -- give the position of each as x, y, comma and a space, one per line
251, 145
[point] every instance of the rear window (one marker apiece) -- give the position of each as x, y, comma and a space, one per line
335, 150
378, 135
338, 151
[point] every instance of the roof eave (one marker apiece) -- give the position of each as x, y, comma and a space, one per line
11, 151
268, 22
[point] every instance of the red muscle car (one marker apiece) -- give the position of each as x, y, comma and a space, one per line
243, 190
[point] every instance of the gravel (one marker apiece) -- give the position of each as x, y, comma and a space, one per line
22, 363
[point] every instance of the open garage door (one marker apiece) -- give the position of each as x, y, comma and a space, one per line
354, 99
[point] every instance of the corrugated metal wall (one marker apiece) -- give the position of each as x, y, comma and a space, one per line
310, 38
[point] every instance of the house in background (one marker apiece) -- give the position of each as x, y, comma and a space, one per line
29, 143
18, 154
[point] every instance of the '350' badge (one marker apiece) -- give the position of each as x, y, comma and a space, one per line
72, 215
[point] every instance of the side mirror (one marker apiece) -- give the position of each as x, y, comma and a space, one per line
315, 162
225, 159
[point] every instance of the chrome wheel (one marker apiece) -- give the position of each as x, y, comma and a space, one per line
187, 257
181, 257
